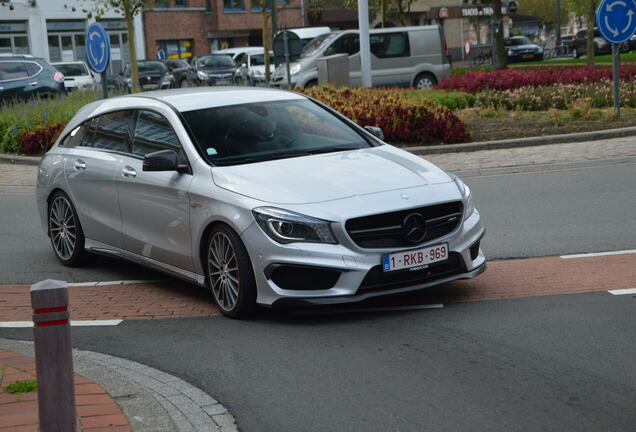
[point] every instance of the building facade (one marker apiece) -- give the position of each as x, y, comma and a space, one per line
56, 29
183, 28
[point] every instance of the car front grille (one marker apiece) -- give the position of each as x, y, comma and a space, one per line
378, 280
386, 230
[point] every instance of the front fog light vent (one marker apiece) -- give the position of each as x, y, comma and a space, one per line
303, 278
474, 251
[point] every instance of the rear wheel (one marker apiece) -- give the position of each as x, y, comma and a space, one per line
229, 273
311, 83
65, 230
425, 81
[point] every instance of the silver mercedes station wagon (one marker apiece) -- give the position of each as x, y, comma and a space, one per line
264, 196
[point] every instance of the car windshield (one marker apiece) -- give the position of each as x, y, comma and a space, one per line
518, 41
259, 59
215, 61
317, 44
262, 131
72, 69
150, 67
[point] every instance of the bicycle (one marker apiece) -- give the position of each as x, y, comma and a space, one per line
484, 56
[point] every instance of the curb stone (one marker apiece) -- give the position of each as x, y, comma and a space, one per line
449, 148
524, 142
152, 400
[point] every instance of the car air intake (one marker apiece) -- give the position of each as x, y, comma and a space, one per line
304, 277
405, 228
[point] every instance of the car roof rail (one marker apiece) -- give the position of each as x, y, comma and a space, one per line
16, 55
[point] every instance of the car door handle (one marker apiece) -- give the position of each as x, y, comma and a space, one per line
128, 172
80, 164
33, 84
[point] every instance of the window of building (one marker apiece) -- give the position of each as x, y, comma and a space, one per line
233, 5
161, 3
13, 38
176, 49
67, 41
387, 45
180, 3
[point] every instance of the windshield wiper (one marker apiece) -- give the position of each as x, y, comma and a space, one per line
332, 149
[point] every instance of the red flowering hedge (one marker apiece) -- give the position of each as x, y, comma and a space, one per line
402, 119
509, 79
39, 140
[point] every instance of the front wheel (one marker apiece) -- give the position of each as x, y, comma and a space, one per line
229, 273
575, 53
65, 230
425, 81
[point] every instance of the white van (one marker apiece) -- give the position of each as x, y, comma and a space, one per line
307, 34
400, 56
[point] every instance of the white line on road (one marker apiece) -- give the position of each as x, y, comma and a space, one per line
84, 323
623, 291
587, 255
117, 282
375, 309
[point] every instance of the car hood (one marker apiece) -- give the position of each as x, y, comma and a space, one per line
330, 176
523, 47
218, 70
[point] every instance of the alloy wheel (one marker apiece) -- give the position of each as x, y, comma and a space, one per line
62, 227
424, 83
223, 271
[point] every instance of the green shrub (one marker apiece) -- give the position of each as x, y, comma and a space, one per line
453, 100
22, 387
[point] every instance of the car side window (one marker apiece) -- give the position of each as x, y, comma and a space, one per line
76, 137
32, 68
113, 131
388, 45
12, 70
347, 44
153, 132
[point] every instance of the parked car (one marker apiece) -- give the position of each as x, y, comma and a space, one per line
405, 56
520, 49
216, 69
601, 45
25, 77
631, 43
228, 188
251, 63
77, 75
182, 72
153, 75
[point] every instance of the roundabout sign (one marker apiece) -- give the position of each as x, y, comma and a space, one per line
98, 52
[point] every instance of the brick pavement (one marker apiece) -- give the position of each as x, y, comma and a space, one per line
503, 279
96, 410
24, 175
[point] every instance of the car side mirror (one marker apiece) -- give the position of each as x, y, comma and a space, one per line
375, 131
162, 160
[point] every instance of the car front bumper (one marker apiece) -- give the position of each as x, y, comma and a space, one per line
355, 266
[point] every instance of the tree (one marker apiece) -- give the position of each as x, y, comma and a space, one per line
588, 9
128, 9
265, 5
545, 10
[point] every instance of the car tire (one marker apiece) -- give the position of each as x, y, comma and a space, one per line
575, 52
183, 83
311, 83
229, 273
424, 81
65, 230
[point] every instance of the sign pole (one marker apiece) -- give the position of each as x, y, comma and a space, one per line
286, 45
365, 44
104, 85
616, 78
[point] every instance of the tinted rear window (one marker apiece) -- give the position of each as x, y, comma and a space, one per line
12, 70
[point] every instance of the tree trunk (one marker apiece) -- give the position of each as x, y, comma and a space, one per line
591, 19
265, 40
132, 50
500, 49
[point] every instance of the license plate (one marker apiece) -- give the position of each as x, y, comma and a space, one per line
222, 82
528, 56
415, 259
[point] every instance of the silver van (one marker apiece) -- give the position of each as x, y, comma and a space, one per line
400, 56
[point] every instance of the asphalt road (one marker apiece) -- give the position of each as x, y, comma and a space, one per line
548, 212
560, 363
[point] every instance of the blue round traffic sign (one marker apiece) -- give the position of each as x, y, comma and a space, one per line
98, 47
616, 19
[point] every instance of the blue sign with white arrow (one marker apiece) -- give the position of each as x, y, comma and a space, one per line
98, 47
616, 19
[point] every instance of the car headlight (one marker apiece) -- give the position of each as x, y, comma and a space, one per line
202, 75
539, 50
285, 226
295, 69
167, 79
469, 205
129, 80
257, 73
510, 52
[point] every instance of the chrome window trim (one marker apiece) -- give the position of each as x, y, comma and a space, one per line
22, 61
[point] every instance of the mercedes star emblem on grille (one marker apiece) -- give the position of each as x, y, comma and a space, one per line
414, 228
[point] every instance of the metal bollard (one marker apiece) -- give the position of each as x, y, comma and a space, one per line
53, 356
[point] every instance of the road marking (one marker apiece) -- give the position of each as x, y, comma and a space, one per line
81, 323
597, 254
623, 291
117, 282
375, 309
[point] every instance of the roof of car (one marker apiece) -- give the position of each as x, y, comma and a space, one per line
188, 99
